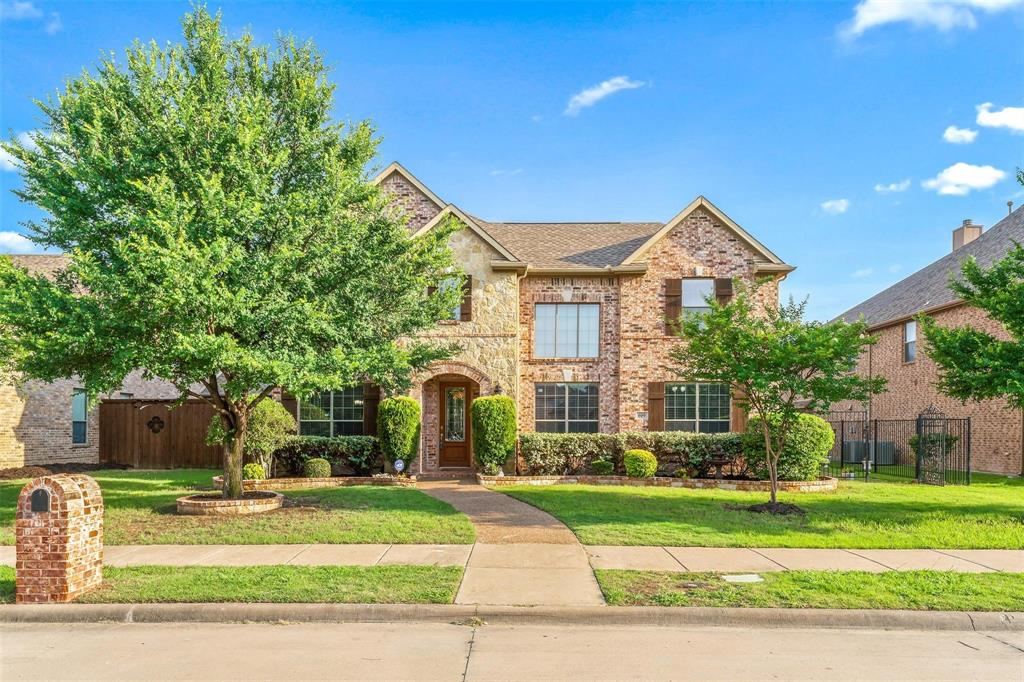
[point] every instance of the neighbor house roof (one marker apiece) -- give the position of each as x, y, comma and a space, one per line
45, 264
928, 288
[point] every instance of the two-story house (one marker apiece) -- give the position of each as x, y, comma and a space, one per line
569, 319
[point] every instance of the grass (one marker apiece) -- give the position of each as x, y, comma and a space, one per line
988, 514
140, 509
916, 590
280, 584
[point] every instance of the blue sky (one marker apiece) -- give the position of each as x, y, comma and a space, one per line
849, 138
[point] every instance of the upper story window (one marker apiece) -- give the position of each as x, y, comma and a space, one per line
332, 413
566, 330
685, 297
702, 408
566, 408
910, 341
696, 293
462, 312
79, 415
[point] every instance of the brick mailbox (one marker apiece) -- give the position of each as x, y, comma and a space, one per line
59, 531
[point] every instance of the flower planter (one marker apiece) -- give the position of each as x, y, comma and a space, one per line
817, 486
295, 483
252, 502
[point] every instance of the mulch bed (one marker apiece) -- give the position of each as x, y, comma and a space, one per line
70, 468
778, 508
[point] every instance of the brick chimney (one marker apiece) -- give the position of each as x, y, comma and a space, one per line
966, 233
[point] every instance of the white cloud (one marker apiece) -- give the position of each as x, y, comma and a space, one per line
17, 10
901, 186
863, 272
7, 161
14, 242
53, 24
500, 171
592, 95
536, 118
835, 206
960, 178
894, 268
1007, 117
944, 15
954, 135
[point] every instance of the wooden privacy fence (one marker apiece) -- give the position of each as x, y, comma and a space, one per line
151, 434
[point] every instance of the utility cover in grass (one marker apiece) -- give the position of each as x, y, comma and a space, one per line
743, 578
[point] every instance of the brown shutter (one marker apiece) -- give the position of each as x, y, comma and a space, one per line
723, 289
656, 406
737, 416
673, 303
466, 310
291, 404
371, 398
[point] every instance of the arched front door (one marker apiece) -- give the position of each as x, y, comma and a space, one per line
455, 397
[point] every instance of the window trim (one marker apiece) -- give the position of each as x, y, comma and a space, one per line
696, 407
564, 421
556, 356
75, 392
909, 358
330, 421
683, 308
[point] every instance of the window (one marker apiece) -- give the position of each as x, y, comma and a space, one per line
447, 285
79, 415
909, 341
566, 330
125, 396
702, 408
696, 293
332, 413
566, 408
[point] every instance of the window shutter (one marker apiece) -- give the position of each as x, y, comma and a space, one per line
291, 404
737, 417
656, 406
371, 398
673, 303
723, 289
466, 310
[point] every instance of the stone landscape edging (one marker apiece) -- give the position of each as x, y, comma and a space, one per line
295, 483
203, 505
471, 615
819, 485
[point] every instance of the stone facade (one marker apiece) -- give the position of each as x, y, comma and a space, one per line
997, 432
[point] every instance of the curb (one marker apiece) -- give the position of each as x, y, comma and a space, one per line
512, 615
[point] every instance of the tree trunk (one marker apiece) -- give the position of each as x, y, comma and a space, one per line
773, 475
233, 457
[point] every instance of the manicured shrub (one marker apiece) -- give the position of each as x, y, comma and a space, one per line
398, 429
639, 463
685, 450
253, 472
270, 425
315, 467
357, 455
602, 467
557, 454
494, 430
803, 454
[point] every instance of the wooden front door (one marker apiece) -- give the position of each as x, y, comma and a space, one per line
454, 427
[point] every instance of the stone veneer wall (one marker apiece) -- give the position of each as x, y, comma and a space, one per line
996, 430
35, 420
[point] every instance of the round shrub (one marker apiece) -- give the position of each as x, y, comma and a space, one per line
253, 472
602, 467
639, 463
803, 454
398, 429
316, 467
494, 430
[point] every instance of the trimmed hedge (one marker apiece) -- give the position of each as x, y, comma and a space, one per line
316, 467
494, 430
805, 452
359, 454
639, 463
398, 429
579, 453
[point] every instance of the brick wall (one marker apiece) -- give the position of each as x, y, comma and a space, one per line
418, 207
995, 429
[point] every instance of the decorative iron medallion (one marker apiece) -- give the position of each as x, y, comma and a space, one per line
156, 424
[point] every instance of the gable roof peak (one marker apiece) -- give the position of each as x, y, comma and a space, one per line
395, 167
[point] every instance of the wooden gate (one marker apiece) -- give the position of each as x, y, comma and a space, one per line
151, 434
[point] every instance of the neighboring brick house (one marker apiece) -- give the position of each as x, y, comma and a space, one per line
569, 319
997, 432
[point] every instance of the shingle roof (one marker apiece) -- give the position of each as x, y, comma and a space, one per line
47, 264
570, 245
929, 287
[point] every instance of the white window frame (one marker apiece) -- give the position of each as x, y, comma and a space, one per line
704, 306
537, 353
910, 344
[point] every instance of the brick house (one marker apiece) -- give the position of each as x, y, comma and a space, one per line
569, 319
997, 432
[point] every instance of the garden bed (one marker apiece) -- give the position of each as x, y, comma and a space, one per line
818, 486
298, 483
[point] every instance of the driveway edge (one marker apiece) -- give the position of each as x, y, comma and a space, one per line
512, 615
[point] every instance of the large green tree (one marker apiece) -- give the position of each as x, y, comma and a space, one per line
975, 364
778, 364
222, 234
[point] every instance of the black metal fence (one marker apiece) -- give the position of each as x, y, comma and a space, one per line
931, 448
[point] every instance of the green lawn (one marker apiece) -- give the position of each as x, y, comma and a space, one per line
917, 590
337, 584
140, 509
987, 514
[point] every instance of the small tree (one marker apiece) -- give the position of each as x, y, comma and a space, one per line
774, 359
269, 427
222, 235
975, 364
